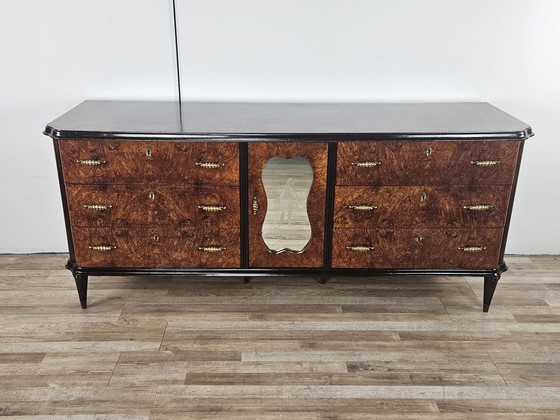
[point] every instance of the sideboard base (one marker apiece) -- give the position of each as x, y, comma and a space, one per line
81, 275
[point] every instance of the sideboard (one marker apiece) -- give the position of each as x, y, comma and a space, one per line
263, 189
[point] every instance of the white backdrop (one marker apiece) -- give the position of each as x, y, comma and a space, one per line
57, 53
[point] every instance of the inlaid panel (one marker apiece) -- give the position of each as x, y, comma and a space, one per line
421, 206
141, 205
121, 162
427, 162
156, 247
417, 248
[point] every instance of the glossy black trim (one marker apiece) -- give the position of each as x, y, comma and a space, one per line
267, 272
244, 203
64, 200
301, 137
511, 200
329, 203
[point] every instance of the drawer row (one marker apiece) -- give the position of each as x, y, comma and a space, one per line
192, 206
418, 248
358, 163
352, 248
156, 247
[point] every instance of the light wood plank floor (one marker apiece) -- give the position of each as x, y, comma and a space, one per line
278, 348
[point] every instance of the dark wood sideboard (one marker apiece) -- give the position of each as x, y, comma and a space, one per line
379, 189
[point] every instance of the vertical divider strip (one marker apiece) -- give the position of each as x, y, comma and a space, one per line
244, 203
329, 204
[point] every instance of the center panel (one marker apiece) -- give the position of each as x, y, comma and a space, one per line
305, 165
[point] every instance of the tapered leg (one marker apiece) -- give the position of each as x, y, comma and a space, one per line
323, 280
82, 285
490, 283
246, 280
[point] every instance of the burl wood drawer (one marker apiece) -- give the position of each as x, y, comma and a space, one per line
156, 247
427, 163
125, 162
417, 248
140, 205
431, 206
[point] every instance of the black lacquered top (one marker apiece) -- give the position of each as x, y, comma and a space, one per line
287, 121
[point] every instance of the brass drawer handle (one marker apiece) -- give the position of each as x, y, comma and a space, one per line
362, 207
479, 207
102, 248
360, 248
98, 207
212, 248
366, 164
212, 209
472, 249
255, 205
91, 162
423, 197
152, 195
486, 162
210, 165
148, 153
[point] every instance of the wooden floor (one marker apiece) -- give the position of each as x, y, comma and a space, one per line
290, 348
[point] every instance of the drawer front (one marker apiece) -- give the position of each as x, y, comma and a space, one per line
432, 206
153, 247
417, 248
427, 163
140, 205
122, 162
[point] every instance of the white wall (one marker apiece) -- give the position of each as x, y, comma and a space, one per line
506, 52
57, 53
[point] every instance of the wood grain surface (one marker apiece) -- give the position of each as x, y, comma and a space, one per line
143, 205
421, 206
259, 154
156, 247
278, 347
408, 163
170, 163
418, 248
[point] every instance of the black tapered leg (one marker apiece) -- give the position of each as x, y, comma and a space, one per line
81, 285
246, 280
323, 280
490, 283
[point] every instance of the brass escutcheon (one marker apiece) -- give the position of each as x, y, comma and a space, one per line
429, 152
